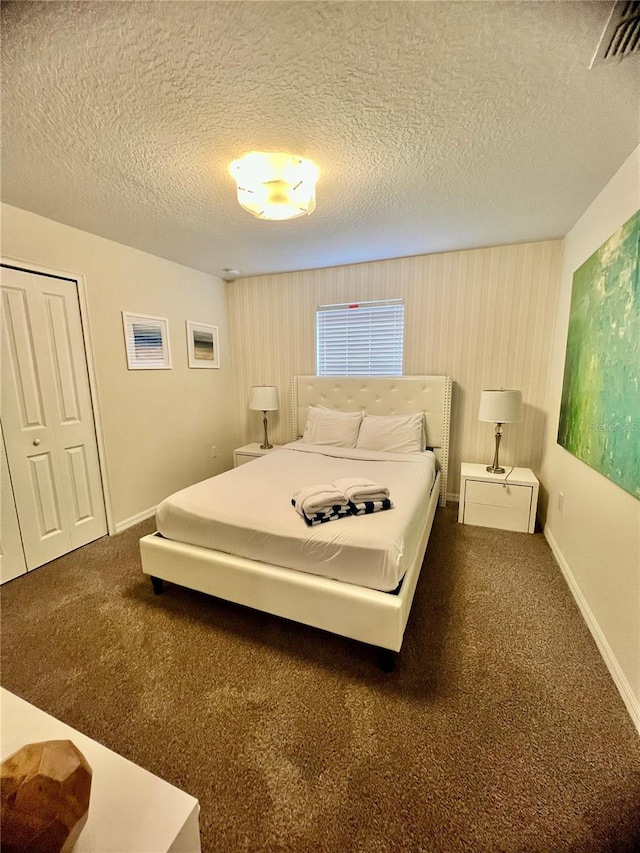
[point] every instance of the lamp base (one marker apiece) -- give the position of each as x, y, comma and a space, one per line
498, 470
495, 467
265, 445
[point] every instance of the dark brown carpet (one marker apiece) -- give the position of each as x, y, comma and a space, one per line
501, 730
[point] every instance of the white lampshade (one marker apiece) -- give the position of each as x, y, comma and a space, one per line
263, 398
275, 186
500, 406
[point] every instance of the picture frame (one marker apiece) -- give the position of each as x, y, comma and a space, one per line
146, 341
203, 346
599, 410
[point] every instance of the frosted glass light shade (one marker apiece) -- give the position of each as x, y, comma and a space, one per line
263, 398
275, 186
500, 406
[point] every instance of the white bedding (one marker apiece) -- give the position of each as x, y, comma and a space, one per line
247, 512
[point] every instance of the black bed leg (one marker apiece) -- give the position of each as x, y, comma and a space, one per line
158, 585
387, 660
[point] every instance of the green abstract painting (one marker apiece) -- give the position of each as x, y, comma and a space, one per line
600, 409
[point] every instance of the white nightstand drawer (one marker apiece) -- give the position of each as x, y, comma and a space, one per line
506, 518
498, 494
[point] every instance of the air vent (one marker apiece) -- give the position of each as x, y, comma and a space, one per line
621, 36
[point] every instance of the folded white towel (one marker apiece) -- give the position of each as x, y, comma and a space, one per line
322, 497
358, 489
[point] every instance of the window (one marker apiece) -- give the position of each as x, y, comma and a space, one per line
365, 339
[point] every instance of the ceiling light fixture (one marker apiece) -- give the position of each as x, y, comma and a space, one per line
275, 186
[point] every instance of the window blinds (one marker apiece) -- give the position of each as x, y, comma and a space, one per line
364, 339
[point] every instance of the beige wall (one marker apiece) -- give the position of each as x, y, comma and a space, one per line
158, 425
484, 317
596, 537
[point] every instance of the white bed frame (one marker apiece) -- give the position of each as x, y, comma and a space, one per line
374, 617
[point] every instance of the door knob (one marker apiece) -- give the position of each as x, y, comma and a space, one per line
36, 442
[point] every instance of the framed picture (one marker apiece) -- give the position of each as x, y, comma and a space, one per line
600, 408
147, 341
202, 345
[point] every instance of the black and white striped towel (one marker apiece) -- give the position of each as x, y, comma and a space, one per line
367, 507
329, 514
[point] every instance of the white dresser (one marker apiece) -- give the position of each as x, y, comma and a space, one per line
508, 501
130, 809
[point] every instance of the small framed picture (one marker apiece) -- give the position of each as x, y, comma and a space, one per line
202, 345
147, 341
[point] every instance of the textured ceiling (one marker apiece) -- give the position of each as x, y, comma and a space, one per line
436, 125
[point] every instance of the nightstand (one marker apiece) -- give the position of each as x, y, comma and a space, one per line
250, 452
490, 500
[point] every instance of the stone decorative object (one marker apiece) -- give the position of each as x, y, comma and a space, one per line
45, 789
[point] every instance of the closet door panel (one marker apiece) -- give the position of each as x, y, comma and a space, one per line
66, 392
12, 562
20, 359
27, 399
80, 478
71, 408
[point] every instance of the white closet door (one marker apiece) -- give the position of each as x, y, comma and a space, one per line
48, 418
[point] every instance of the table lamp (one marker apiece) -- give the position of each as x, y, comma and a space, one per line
499, 406
264, 398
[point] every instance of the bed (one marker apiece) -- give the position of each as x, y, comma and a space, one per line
354, 576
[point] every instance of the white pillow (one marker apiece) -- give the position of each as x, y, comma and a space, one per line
392, 433
328, 426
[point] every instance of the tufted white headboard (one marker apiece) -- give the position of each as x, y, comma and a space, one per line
381, 395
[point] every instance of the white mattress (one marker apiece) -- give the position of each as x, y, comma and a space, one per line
247, 512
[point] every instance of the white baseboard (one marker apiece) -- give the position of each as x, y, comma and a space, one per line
453, 498
624, 688
135, 519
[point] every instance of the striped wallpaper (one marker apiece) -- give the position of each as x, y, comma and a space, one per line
483, 316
